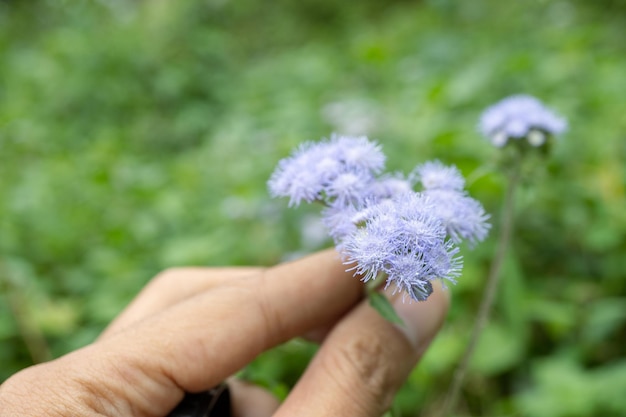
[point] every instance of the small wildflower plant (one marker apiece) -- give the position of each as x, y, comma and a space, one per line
381, 225
519, 124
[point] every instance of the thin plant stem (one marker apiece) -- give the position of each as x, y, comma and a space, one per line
489, 292
31, 335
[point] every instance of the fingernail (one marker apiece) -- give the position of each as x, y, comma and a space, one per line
422, 319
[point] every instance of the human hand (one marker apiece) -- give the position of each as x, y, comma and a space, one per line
192, 328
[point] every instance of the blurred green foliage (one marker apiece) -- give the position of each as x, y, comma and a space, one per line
135, 136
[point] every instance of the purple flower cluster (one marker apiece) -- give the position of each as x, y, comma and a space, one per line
403, 239
518, 117
379, 223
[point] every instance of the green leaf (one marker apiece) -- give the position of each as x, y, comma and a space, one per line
384, 307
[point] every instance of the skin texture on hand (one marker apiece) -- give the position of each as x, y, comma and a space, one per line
192, 328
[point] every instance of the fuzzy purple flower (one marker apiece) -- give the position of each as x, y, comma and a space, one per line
403, 240
517, 117
389, 186
358, 153
343, 215
340, 221
463, 217
338, 169
434, 175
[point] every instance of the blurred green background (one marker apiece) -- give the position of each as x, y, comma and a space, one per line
136, 136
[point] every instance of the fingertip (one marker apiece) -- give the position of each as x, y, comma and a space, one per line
249, 400
423, 319
327, 261
309, 293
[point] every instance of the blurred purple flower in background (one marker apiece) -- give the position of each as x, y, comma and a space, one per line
517, 117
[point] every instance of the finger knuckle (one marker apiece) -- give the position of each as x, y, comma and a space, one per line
271, 319
364, 367
42, 382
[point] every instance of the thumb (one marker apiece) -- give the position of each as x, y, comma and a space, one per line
365, 359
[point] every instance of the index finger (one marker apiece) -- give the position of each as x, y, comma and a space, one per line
171, 287
199, 342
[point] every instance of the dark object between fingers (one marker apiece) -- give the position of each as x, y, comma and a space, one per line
212, 403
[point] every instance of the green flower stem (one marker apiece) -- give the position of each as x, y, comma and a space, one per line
493, 278
379, 302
